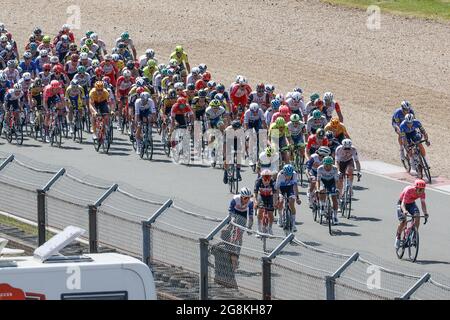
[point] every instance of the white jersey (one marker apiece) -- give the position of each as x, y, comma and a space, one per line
250, 116
268, 115
343, 155
143, 61
296, 131
283, 182
313, 124
213, 114
309, 107
323, 174
314, 162
294, 106
260, 100
139, 106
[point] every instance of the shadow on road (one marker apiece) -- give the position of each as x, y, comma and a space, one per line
71, 148
121, 154
120, 149
371, 219
427, 262
343, 224
359, 188
31, 145
338, 232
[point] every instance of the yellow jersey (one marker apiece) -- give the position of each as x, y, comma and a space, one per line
338, 130
276, 132
99, 97
180, 60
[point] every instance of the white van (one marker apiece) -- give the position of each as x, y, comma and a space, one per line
49, 276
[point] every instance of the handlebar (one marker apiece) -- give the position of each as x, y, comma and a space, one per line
420, 216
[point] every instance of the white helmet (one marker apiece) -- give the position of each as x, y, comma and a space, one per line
347, 143
242, 80
280, 97
66, 27
409, 118
254, 107
150, 53
94, 37
54, 59
245, 192
115, 57
296, 96
84, 56
43, 53
3, 77
328, 96
26, 76
237, 78
179, 85
195, 71
145, 96
3, 38
406, 105
323, 151
27, 55
127, 73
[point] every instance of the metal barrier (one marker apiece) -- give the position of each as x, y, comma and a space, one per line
207, 257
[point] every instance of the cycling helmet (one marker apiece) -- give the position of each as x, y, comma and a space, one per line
73, 47
202, 93
347, 143
150, 53
173, 63
74, 57
320, 133
99, 85
288, 170
27, 55
314, 96
329, 135
33, 46
275, 104
266, 173
172, 94
54, 59
202, 67
215, 103
323, 151
219, 97
269, 151
84, 56
94, 37
296, 97
254, 107
295, 118
179, 49
236, 124
177, 78
81, 69
406, 105
280, 97
280, 122
409, 118
64, 38
46, 39
178, 86
115, 57
245, 192
334, 122
89, 42
260, 87
37, 31
47, 67
317, 114
328, 96
125, 36
106, 79
242, 80
95, 63
3, 77
108, 57
74, 83
58, 69
55, 84
190, 86
17, 87
211, 84
220, 87
26, 76
85, 49
43, 53
206, 76
151, 63
66, 27
195, 71
420, 184
127, 73
269, 88
298, 89
318, 103
37, 82
328, 161
11, 64
284, 110
145, 96
140, 82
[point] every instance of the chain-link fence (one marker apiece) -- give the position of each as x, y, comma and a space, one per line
186, 246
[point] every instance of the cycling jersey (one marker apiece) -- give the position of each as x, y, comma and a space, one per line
180, 60
409, 195
344, 155
283, 182
313, 164
110, 71
261, 100
236, 207
339, 131
215, 114
124, 85
84, 79
329, 175
312, 125
296, 107
298, 130
399, 116
177, 111
276, 132
276, 115
265, 191
314, 143
12, 75
149, 72
98, 97
49, 94
250, 116
28, 67
328, 110
141, 108
411, 134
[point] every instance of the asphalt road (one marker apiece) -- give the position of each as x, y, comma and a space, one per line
370, 231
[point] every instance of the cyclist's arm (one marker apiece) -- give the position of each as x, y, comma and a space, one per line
424, 207
403, 207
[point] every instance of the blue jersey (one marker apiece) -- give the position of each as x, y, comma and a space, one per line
398, 117
32, 67
236, 207
3, 89
405, 129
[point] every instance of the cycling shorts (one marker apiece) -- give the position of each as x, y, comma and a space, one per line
344, 165
199, 114
14, 104
214, 123
102, 107
256, 124
288, 191
52, 101
266, 202
76, 102
329, 186
143, 114
298, 139
181, 120
411, 207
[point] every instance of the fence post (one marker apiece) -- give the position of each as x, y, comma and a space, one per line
330, 281
146, 245
41, 216
329, 285
204, 243
93, 236
6, 161
415, 287
266, 278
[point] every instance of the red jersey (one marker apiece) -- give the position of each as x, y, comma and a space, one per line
177, 111
313, 142
48, 93
124, 85
409, 195
276, 115
110, 71
238, 92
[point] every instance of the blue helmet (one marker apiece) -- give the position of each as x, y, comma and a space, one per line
276, 104
288, 170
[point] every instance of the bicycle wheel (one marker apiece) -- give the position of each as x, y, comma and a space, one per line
19, 134
329, 216
236, 182
426, 168
80, 131
165, 142
401, 250
315, 211
150, 146
413, 249
287, 219
59, 135
349, 205
406, 163
230, 173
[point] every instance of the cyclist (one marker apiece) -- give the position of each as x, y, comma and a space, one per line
275, 105
279, 136
13, 102
100, 43
145, 111
412, 131
346, 156
11, 72
123, 87
71, 66
333, 143
149, 55
110, 69
266, 195
327, 177
181, 58
125, 39
28, 65
75, 99
215, 114
234, 130
338, 129
47, 45
315, 141
397, 118
178, 114
150, 69
98, 103
330, 105
407, 205
35, 96
241, 209
295, 103
190, 93
259, 97
83, 78
316, 121
311, 170
194, 76
62, 47
59, 75
287, 185
311, 106
53, 102
284, 112
239, 94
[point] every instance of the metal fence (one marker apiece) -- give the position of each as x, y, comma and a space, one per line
210, 258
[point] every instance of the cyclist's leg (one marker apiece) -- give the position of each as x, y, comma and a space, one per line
402, 222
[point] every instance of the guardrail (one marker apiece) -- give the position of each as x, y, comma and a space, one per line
220, 257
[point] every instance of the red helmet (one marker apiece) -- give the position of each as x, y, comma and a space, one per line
318, 103
98, 71
58, 69
260, 87
200, 84
181, 100
55, 84
420, 184
140, 90
47, 67
106, 79
206, 76
284, 110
